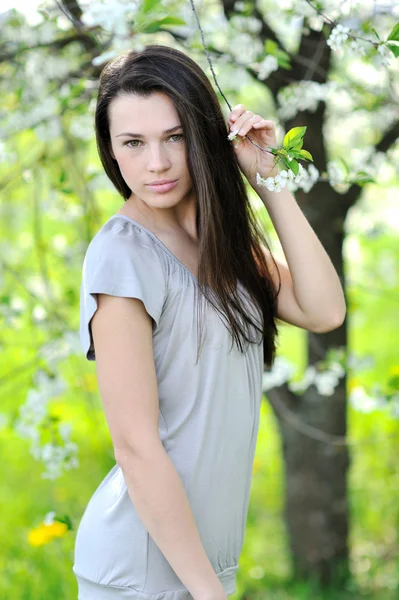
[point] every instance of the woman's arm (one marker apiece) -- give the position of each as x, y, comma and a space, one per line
311, 293
122, 335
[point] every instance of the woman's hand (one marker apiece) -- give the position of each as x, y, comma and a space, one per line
251, 159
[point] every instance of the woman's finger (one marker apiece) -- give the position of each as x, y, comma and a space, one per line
247, 125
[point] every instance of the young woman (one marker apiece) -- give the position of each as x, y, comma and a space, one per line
178, 309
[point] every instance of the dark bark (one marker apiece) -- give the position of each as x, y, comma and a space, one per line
316, 507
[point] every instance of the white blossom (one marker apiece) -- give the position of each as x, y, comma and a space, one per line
357, 47
244, 47
34, 417
360, 363
335, 172
281, 371
49, 130
277, 183
239, 6
267, 66
250, 24
385, 56
338, 36
113, 16
302, 96
307, 180
325, 381
49, 518
82, 127
363, 402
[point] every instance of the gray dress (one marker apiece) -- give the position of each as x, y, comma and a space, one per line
208, 421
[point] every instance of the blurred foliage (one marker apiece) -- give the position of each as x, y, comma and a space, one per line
54, 197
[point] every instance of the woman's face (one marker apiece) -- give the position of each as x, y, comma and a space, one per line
144, 152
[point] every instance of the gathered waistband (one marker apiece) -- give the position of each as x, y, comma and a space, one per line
90, 590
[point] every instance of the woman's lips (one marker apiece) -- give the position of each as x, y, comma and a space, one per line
164, 187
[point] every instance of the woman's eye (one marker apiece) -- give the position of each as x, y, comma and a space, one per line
178, 135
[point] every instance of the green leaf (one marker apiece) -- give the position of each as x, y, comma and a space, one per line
298, 146
374, 31
394, 35
293, 135
394, 382
283, 63
294, 166
156, 25
270, 47
345, 166
294, 153
362, 177
285, 161
64, 519
394, 48
148, 5
306, 155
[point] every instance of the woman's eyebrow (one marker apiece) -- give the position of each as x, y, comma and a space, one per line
139, 134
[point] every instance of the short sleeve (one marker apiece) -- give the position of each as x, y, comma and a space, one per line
121, 260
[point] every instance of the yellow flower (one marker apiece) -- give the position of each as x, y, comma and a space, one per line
257, 465
43, 534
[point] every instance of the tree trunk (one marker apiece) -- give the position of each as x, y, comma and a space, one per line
316, 506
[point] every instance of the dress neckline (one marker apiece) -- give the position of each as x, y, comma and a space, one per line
140, 226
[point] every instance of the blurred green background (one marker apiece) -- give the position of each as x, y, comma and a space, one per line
54, 197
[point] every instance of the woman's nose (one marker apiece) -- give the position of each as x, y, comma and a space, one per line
158, 158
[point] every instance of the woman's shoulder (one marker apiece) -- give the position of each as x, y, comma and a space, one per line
123, 239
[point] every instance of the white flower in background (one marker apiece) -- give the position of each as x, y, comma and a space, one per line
277, 183
49, 130
363, 402
112, 16
60, 349
49, 518
250, 24
244, 47
239, 6
335, 172
302, 96
281, 372
360, 363
301, 173
325, 381
307, 181
267, 66
103, 58
119, 44
385, 56
357, 47
82, 127
7, 155
46, 32
338, 36
34, 417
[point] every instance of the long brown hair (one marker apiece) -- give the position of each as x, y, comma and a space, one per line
229, 235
